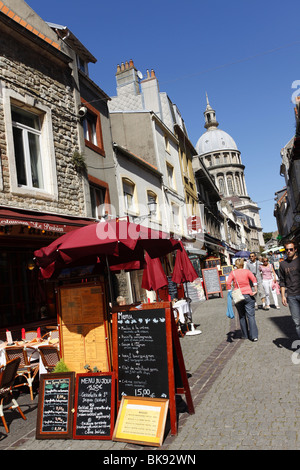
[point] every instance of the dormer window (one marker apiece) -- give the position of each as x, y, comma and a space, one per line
82, 65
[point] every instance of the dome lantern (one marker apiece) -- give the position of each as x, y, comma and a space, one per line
213, 139
210, 116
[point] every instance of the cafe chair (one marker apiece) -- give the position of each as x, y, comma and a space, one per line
30, 335
177, 321
27, 368
50, 356
7, 377
53, 334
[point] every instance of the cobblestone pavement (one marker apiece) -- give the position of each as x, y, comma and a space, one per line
245, 394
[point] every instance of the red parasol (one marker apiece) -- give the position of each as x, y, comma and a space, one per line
114, 242
154, 276
183, 271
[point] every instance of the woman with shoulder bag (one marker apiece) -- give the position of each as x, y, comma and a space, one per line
246, 307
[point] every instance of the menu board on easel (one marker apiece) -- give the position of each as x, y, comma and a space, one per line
94, 406
54, 417
143, 354
142, 344
212, 282
83, 326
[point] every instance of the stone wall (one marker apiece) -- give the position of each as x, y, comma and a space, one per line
37, 76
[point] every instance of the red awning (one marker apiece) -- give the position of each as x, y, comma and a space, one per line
42, 220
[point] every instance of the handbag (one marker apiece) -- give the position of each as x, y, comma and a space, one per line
237, 295
276, 287
229, 312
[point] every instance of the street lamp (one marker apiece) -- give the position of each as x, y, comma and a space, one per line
152, 207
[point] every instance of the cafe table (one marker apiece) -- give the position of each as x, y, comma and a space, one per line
183, 308
30, 345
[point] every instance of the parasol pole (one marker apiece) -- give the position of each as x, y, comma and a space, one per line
109, 281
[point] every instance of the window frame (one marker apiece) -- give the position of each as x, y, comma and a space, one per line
96, 143
133, 207
176, 220
95, 191
151, 195
103, 186
82, 65
167, 143
230, 185
171, 176
25, 143
49, 192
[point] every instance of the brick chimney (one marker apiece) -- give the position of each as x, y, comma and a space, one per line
127, 79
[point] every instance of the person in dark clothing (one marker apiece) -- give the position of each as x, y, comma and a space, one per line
289, 281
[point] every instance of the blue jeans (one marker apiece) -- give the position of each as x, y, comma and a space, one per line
294, 305
246, 311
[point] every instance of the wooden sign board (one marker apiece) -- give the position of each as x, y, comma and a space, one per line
226, 270
56, 395
83, 326
145, 340
94, 406
212, 282
141, 420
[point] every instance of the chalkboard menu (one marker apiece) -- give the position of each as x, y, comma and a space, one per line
145, 343
142, 354
94, 406
172, 288
54, 418
227, 269
211, 281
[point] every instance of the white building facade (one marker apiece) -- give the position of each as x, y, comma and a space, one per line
221, 156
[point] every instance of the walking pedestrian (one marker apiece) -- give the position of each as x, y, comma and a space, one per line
289, 279
246, 308
269, 281
253, 266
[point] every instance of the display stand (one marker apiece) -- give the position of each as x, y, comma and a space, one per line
83, 326
141, 420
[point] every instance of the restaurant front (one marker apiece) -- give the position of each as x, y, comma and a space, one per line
25, 299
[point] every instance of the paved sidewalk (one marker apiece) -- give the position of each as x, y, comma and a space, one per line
252, 397
245, 394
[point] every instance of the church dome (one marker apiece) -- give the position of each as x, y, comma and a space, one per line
215, 140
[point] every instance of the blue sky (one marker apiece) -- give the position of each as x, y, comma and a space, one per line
243, 54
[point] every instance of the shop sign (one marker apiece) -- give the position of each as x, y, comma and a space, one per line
37, 225
194, 224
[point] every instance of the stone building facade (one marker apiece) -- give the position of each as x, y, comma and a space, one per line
287, 200
43, 193
37, 103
